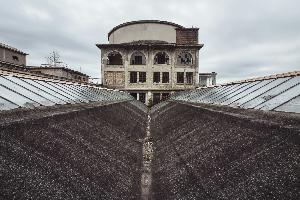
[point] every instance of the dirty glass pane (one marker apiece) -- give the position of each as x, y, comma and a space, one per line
77, 97
243, 103
291, 106
237, 92
235, 101
6, 105
83, 91
48, 89
58, 90
35, 89
228, 91
271, 93
17, 98
25, 92
280, 99
215, 93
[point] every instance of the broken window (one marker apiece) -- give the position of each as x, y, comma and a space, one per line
185, 58
138, 58
142, 77
15, 58
156, 98
142, 97
156, 77
189, 77
165, 77
114, 58
165, 96
161, 58
180, 77
133, 77
134, 95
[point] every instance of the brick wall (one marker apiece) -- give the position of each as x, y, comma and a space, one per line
187, 35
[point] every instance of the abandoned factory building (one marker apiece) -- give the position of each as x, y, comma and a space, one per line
150, 59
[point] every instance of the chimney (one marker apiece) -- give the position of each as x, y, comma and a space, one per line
187, 36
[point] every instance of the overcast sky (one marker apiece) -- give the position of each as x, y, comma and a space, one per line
242, 39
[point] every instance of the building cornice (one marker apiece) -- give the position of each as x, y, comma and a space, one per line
168, 45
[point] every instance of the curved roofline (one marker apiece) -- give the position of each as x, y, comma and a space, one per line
143, 22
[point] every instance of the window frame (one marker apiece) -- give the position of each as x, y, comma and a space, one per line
144, 77
114, 52
177, 77
167, 58
131, 77
187, 78
179, 56
163, 77
137, 54
156, 75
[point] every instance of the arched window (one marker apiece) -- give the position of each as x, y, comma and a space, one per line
184, 58
138, 58
114, 58
161, 58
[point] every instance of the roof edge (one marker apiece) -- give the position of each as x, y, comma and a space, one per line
142, 22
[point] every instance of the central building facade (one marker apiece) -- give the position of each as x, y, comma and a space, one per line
150, 59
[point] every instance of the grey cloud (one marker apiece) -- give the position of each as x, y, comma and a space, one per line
242, 38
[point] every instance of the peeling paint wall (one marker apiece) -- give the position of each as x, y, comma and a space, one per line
147, 31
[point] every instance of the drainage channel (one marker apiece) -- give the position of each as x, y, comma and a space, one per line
146, 179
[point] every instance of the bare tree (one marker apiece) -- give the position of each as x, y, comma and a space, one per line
54, 59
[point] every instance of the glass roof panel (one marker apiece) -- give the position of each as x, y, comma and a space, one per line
291, 106
67, 91
277, 89
280, 99
48, 90
7, 105
231, 92
25, 92
57, 90
35, 89
16, 98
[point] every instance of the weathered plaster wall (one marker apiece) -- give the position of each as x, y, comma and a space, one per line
109, 71
7, 56
147, 31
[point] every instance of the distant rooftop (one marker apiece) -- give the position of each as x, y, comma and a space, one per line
57, 67
12, 48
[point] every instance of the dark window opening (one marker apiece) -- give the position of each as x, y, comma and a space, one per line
114, 58
165, 77
142, 77
180, 77
133, 77
161, 58
138, 58
142, 97
134, 95
156, 77
156, 98
165, 96
15, 58
185, 58
189, 77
